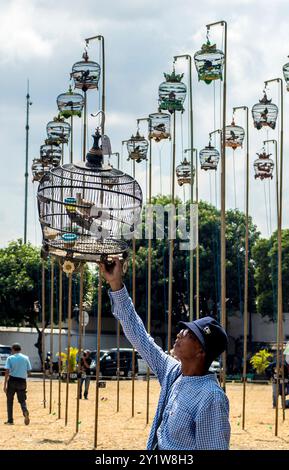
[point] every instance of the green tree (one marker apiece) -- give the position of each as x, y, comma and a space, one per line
265, 255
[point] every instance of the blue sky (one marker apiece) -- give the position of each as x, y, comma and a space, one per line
41, 40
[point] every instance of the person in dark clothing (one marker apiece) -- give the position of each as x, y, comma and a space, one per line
85, 373
16, 370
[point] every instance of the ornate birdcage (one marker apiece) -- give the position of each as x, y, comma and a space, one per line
50, 152
58, 130
183, 172
39, 169
85, 73
286, 74
263, 166
172, 92
234, 136
265, 113
70, 104
88, 211
209, 62
159, 126
137, 147
209, 158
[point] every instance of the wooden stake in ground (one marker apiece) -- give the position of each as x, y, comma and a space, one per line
60, 299
80, 335
43, 332
51, 333
99, 306
68, 344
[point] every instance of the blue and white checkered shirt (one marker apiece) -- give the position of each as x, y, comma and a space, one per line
193, 411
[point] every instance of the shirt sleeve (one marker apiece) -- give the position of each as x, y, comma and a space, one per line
7, 364
28, 364
133, 327
213, 426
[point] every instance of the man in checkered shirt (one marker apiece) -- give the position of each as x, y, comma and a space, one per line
193, 410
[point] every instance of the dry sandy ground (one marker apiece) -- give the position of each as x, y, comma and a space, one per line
119, 430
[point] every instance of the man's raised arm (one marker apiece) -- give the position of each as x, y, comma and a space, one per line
133, 327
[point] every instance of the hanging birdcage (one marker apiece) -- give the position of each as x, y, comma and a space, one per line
159, 126
286, 74
70, 104
39, 169
88, 211
183, 173
234, 136
209, 158
265, 113
85, 73
263, 166
172, 92
209, 62
50, 152
58, 130
137, 147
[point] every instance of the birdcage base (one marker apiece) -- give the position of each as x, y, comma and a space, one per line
93, 250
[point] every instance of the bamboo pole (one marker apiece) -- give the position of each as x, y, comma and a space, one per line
171, 241
223, 199
51, 334
99, 307
80, 346
189, 59
68, 344
246, 280
43, 332
60, 338
198, 246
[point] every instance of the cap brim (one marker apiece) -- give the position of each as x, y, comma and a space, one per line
195, 330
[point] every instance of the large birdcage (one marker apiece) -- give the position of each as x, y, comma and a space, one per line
88, 211
265, 113
209, 157
58, 130
234, 135
85, 73
172, 92
159, 126
209, 62
70, 104
263, 166
137, 147
183, 173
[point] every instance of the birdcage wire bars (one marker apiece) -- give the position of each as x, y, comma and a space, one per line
234, 135
70, 104
183, 173
58, 130
172, 93
88, 211
263, 166
209, 158
265, 113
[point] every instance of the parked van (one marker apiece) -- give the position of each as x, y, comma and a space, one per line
108, 363
5, 351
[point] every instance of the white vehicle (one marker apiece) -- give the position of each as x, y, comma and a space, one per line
5, 351
215, 367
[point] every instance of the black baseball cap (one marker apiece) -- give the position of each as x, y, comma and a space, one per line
211, 335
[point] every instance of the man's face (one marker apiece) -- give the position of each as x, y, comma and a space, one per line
187, 346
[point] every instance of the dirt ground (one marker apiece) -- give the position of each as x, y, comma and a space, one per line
119, 430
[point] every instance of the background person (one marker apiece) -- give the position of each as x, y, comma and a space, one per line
16, 370
85, 363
